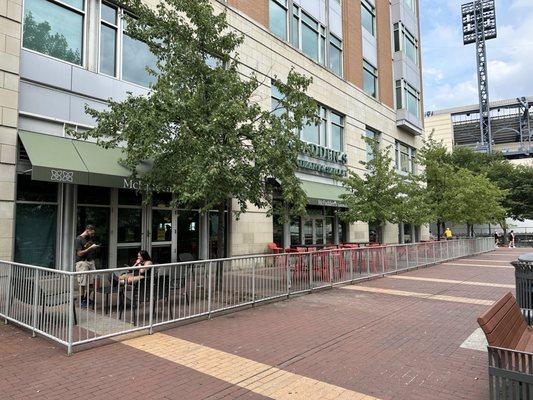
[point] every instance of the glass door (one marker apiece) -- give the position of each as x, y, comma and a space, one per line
130, 232
188, 227
162, 232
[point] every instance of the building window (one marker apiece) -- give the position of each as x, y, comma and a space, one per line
36, 207
120, 55
328, 133
368, 17
108, 39
406, 42
405, 158
307, 33
370, 79
407, 97
278, 18
55, 29
335, 55
371, 134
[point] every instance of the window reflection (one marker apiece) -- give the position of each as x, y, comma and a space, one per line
54, 30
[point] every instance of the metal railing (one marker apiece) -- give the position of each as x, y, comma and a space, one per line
48, 301
510, 374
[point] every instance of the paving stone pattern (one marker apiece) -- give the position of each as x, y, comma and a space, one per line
369, 343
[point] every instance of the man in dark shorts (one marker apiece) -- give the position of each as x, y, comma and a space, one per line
84, 250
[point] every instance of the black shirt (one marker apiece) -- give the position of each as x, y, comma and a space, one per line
81, 243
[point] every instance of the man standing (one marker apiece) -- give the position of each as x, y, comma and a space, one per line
511, 240
84, 255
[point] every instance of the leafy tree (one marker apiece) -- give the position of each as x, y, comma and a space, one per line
474, 198
201, 125
514, 180
374, 197
437, 174
37, 37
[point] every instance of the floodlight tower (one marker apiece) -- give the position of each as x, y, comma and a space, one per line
479, 25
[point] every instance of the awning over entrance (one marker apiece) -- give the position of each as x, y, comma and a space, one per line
58, 159
322, 194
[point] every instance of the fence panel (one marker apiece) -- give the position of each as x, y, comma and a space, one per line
79, 307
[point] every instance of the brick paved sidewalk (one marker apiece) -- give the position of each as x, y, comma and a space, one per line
393, 338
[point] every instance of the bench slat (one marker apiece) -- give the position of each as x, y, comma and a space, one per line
504, 325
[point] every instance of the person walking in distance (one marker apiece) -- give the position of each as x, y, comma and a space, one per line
84, 255
511, 240
448, 234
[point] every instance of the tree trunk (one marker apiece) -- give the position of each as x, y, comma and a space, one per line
438, 230
379, 233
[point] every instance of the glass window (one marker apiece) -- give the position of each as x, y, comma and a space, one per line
109, 13
161, 225
295, 27
330, 239
410, 47
413, 102
368, 17
335, 55
188, 233
30, 190
36, 246
278, 18
336, 131
128, 197
370, 79
310, 37
295, 231
371, 135
93, 195
311, 133
405, 158
399, 102
126, 257
136, 56
108, 47
397, 37
129, 225
54, 30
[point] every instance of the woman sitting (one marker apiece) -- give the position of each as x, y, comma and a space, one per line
143, 260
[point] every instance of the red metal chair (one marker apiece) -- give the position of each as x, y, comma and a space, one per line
274, 248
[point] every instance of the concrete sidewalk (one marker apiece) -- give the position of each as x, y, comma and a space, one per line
411, 336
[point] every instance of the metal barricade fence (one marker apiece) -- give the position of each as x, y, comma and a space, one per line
129, 299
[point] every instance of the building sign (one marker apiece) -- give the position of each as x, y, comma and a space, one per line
323, 160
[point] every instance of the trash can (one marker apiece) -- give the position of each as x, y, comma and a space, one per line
524, 285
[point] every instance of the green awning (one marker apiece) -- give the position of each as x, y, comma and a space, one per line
54, 159
323, 194
58, 159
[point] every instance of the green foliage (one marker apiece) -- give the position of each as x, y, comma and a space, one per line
381, 195
37, 37
515, 180
201, 127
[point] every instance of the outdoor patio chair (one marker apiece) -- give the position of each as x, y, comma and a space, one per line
139, 293
274, 248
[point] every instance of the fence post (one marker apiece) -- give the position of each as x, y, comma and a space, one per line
395, 258
351, 254
253, 282
70, 313
311, 271
8, 292
151, 318
407, 256
35, 301
330, 262
288, 275
367, 250
383, 260
417, 248
209, 288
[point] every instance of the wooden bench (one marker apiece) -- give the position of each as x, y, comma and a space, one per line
510, 350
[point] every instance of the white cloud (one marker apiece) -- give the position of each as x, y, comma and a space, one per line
450, 68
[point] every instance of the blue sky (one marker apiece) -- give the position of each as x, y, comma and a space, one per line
449, 68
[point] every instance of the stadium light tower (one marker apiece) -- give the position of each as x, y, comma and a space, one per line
479, 25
